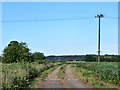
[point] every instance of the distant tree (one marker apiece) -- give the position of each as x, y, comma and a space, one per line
37, 56
90, 58
110, 58
115, 58
16, 52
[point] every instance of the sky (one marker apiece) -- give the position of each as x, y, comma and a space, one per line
61, 37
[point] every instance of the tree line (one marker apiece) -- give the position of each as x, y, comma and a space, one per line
103, 58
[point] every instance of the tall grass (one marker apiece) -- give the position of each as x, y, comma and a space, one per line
61, 73
19, 75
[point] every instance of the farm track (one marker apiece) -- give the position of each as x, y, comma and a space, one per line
72, 82
52, 81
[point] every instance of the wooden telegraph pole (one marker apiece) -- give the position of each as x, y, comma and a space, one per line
99, 16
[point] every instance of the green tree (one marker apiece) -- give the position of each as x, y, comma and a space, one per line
110, 58
36, 56
16, 52
39, 58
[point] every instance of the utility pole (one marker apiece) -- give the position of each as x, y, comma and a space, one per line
99, 16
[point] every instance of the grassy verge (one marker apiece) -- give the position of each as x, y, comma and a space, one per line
89, 77
41, 78
61, 73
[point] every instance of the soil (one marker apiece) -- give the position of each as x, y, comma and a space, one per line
70, 81
73, 82
51, 81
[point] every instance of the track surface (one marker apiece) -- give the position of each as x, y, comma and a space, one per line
52, 80
70, 81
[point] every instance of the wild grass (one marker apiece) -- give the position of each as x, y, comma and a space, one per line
20, 75
61, 73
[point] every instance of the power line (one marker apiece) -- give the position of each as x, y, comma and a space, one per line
39, 20
62, 19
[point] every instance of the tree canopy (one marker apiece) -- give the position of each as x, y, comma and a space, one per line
16, 52
38, 56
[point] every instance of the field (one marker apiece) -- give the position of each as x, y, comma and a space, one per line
21, 75
106, 71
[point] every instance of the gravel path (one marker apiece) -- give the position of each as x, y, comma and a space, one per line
52, 80
72, 82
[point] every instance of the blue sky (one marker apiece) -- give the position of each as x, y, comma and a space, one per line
68, 37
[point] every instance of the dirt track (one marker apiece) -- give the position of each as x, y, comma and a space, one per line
72, 82
52, 80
